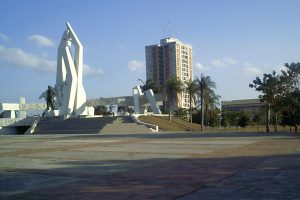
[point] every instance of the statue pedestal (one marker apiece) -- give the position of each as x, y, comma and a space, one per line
51, 113
90, 111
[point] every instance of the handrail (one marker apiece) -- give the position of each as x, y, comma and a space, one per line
135, 118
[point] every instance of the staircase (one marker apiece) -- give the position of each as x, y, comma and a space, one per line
124, 125
56, 125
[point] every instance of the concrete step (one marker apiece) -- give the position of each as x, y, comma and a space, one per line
81, 131
126, 129
89, 125
125, 125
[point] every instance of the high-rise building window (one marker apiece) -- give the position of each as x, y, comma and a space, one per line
168, 59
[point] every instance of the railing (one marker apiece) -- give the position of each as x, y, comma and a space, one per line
135, 118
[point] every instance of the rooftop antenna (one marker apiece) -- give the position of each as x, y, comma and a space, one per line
167, 30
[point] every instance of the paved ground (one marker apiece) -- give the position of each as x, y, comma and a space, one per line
150, 166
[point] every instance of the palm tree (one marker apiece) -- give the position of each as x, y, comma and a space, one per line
172, 88
212, 102
191, 88
206, 86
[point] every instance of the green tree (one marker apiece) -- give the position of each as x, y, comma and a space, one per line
281, 93
150, 84
125, 109
291, 109
243, 121
211, 107
172, 88
287, 119
214, 117
101, 110
224, 119
182, 113
191, 88
270, 88
256, 121
290, 102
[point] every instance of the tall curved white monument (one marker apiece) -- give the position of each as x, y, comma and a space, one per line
70, 96
69, 89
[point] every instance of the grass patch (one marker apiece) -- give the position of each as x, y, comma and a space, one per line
181, 125
176, 125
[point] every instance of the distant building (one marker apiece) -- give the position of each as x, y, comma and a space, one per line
251, 106
170, 58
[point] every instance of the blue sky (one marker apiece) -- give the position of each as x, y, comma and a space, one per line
233, 41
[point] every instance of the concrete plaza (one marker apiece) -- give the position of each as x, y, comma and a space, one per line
150, 166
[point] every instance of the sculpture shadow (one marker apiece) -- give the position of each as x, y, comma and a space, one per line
255, 177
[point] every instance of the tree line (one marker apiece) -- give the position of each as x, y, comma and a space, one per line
281, 94
202, 98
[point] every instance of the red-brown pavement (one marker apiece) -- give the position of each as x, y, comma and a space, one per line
147, 166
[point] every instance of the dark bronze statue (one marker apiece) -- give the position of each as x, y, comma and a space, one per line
50, 98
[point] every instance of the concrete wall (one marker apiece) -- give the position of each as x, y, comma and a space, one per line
123, 101
16, 121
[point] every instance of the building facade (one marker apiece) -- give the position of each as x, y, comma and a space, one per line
170, 58
250, 106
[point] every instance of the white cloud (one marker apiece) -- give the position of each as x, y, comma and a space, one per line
19, 58
201, 67
224, 62
41, 40
16, 57
88, 70
230, 61
135, 65
217, 63
4, 38
281, 68
251, 70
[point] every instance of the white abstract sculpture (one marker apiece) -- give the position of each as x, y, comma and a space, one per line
70, 96
151, 99
137, 92
70, 93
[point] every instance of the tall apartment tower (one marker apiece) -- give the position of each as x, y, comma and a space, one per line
170, 58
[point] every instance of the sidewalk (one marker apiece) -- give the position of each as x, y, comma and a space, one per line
150, 166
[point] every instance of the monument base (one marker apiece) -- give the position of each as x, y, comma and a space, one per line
9, 114
51, 113
90, 110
